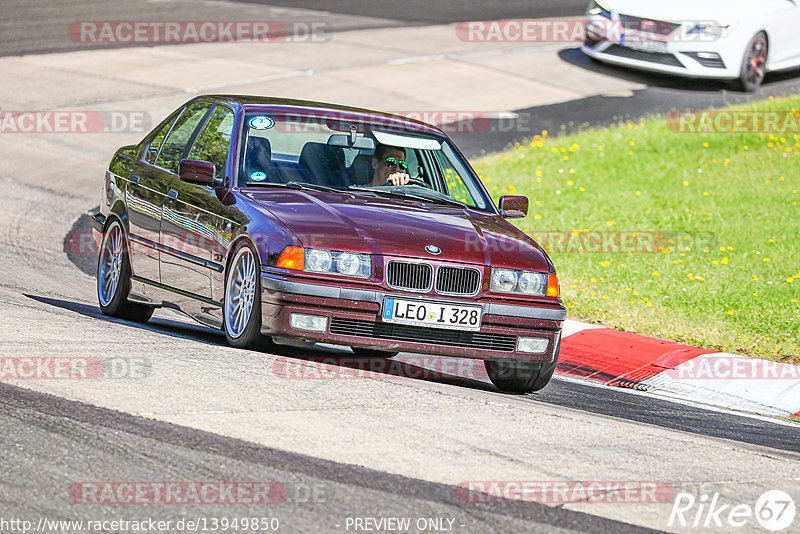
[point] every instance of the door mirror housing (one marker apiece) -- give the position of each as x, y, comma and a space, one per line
513, 206
198, 172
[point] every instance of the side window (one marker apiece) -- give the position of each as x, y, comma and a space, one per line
214, 140
179, 137
155, 145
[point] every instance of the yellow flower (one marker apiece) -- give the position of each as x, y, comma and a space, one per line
730, 312
610, 223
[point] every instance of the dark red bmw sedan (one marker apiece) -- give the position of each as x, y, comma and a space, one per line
302, 222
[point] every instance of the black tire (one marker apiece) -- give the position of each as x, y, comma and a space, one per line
245, 332
754, 63
516, 376
373, 353
112, 261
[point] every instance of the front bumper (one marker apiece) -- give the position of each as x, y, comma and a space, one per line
354, 320
679, 57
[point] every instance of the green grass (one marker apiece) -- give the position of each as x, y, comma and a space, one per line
723, 211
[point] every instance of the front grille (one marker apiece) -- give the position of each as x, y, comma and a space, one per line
659, 27
457, 280
409, 276
653, 57
419, 334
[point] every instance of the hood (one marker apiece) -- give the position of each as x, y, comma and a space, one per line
385, 226
688, 10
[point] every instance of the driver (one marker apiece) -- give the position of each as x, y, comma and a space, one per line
389, 166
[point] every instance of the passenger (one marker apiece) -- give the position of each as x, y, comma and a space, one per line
389, 166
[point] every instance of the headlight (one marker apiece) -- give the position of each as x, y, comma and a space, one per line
318, 261
532, 283
597, 8
504, 280
520, 282
335, 262
714, 29
348, 263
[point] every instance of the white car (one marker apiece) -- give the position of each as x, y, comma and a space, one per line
724, 39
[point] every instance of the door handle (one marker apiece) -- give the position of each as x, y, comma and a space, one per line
173, 195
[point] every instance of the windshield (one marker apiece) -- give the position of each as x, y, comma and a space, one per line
329, 154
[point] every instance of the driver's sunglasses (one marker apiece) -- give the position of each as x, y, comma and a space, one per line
392, 162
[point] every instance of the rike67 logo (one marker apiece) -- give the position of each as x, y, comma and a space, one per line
775, 511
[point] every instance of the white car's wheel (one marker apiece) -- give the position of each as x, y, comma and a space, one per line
754, 64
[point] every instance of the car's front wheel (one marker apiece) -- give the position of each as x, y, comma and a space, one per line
242, 302
754, 64
518, 376
114, 278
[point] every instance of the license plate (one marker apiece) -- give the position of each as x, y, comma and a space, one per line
642, 41
432, 314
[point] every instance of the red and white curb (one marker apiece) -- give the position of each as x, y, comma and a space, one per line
731, 381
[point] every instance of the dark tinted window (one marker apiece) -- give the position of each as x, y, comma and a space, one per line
155, 145
215, 139
179, 137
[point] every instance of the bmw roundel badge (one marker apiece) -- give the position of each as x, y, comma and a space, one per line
433, 249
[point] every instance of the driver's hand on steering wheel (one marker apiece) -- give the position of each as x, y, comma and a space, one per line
398, 178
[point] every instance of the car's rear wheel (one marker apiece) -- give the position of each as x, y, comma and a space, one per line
372, 353
242, 302
114, 278
518, 376
754, 64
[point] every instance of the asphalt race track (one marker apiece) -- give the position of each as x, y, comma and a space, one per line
184, 407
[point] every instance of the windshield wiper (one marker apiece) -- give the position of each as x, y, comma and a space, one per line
436, 198
407, 194
250, 183
313, 187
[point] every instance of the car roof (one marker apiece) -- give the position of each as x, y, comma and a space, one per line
310, 107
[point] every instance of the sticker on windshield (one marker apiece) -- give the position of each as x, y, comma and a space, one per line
258, 176
262, 122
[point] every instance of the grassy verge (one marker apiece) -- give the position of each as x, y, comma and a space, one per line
692, 237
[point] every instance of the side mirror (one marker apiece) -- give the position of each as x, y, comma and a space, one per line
197, 172
513, 206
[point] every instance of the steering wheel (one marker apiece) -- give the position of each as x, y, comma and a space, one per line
412, 181
417, 181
